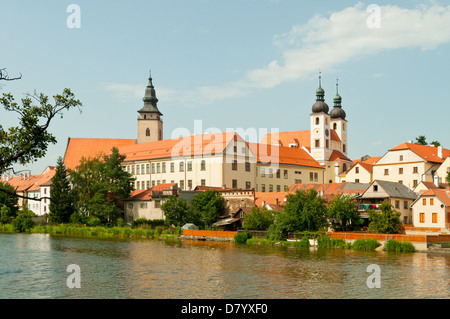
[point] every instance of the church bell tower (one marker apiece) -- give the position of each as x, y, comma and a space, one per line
150, 125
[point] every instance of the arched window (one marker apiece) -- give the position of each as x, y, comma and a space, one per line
344, 167
147, 132
335, 126
317, 121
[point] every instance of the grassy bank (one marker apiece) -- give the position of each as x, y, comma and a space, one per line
326, 242
99, 231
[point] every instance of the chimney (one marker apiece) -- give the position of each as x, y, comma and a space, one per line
440, 152
436, 180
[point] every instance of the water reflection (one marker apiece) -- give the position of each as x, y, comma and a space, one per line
34, 266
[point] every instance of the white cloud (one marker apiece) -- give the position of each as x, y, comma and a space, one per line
324, 43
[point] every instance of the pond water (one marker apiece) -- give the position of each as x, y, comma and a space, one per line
35, 266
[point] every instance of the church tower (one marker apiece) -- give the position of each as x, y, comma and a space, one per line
320, 127
338, 121
150, 125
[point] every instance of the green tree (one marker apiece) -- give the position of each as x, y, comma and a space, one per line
29, 140
421, 140
387, 221
100, 186
23, 222
258, 219
8, 198
5, 215
304, 211
207, 207
61, 197
176, 211
342, 212
435, 143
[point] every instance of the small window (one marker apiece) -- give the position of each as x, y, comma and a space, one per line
356, 170
285, 173
181, 166
400, 170
434, 218
431, 201
247, 166
424, 202
401, 158
422, 217
189, 166
234, 183
317, 143
203, 165
375, 188
397, 204
203, 182
147, 132
248, 185
234, 165
415, 169
317, 121
405, 204
386, 171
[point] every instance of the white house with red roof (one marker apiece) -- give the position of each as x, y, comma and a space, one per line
360, 172
410, 163
432, 209
33, 186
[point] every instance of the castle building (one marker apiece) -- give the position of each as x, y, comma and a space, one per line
223, 160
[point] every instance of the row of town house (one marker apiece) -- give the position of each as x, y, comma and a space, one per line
278, 164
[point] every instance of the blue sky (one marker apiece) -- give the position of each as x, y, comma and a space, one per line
250, 64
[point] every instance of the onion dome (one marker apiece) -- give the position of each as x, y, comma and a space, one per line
337, 112
320, 106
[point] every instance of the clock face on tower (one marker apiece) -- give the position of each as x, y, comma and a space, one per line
327, 132
317, 132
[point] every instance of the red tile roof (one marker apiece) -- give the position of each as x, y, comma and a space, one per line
367, 164
428, 153
328, 190
146, 194
336, 155
442, 194
302, 138
270, 198
32, 182
202, 144
77, 148
272, 154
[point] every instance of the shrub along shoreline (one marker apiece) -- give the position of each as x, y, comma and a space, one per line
143, 231
324, 241
157, 232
